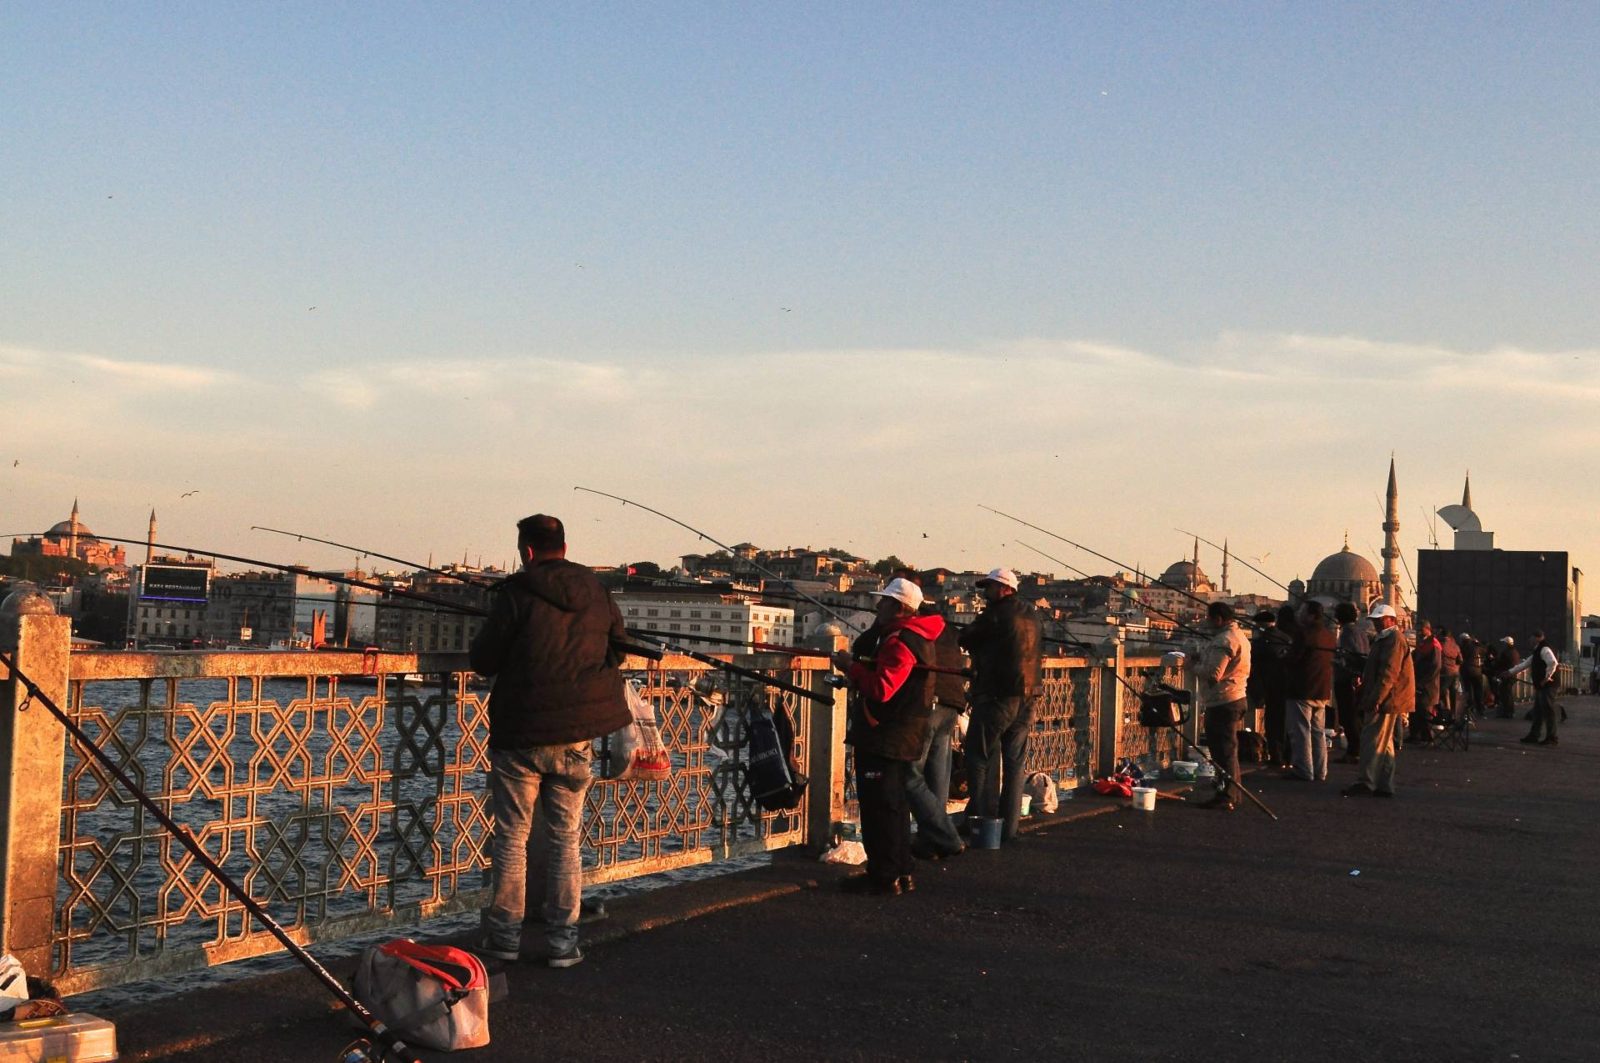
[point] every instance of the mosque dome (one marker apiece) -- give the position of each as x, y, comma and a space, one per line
66, 529
1344, 566
1184, 574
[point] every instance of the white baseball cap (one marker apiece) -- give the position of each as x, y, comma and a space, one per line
1003, 576
903, 591
1380, 609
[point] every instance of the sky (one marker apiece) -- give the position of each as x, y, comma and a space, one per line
813, 274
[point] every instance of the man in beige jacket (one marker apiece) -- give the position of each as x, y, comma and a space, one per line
1388, 694
1223, 671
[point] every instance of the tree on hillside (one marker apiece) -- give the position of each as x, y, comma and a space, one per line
888, 566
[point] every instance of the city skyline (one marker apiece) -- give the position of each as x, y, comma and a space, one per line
399, 276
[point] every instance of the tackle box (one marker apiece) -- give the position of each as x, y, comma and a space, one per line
73, 1038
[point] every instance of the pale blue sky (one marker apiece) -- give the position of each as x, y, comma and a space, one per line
755, 262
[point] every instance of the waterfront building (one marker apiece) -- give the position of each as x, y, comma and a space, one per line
169, 604
684, 615
409, 626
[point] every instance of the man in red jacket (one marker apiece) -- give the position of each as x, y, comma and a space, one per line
548, 644
887, 725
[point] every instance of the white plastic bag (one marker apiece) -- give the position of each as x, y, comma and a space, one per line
636, 751
846, 852
1042, 789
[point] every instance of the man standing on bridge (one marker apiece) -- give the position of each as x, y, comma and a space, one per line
1007, 647
1224, 671
1541, 667
548, 644
1388, 694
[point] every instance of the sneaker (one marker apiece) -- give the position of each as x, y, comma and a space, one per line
590, 910
487, 947
570, 956
906, 884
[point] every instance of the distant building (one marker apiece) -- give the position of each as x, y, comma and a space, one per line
692, 619
169, 603
409, 626
70, 539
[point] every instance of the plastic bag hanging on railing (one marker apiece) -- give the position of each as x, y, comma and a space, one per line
636, 750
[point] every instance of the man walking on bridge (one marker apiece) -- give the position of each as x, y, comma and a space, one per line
548, 644
1541, 667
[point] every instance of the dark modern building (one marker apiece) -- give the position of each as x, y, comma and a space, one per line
1495, 593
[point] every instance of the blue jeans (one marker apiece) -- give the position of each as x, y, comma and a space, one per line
1308, 746
552, 779
996, 749
928, 784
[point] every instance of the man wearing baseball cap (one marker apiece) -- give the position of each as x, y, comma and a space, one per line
1006, 643
887, 725
1388, 694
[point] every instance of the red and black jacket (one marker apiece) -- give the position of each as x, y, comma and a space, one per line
890, 718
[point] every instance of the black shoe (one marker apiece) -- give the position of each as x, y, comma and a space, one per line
1551, 741
1528, 740
866, 884
905, 884
1359, 789
928, 852
1383, 793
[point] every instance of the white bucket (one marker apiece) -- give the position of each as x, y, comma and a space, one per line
1185, 769
1144, 798
1027, 804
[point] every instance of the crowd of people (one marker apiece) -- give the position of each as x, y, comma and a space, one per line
551, 643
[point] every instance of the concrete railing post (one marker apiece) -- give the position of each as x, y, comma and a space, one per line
32, 759
825, 764
1110, 709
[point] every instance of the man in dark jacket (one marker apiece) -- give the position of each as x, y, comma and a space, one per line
548, 644
1427, 660
1268, 686
887, 725
1007, 647
1506, 658
1310, 688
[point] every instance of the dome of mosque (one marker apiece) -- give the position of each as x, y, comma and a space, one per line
67, 528
1183, 574
1345, 566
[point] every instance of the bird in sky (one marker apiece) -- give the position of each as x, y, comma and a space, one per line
186, 494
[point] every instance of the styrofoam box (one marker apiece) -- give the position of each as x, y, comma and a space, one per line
76, 1038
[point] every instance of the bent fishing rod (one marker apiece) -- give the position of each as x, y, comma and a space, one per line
791, 651
753, 564
1237, 558
1176, 620
392, 1045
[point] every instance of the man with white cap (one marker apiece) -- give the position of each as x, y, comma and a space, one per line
887, 725
1006, 643
1388, 694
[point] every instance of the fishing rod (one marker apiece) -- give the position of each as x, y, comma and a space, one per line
442, 604
762, 647
390, 1041
470, 581
734, 669
753, 564
1237, 558
1176, 620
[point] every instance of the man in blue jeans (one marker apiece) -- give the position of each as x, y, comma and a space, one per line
548, 644
1007, 647
928, 783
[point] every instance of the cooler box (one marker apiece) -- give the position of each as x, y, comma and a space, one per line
75, 1038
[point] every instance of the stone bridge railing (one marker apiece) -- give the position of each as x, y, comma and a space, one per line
346, 791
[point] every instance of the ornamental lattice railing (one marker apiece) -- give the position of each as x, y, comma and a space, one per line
347, 792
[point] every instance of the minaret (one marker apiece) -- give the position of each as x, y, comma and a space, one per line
72, 532
1224, 565
1466, 492
1391, 543
150, 540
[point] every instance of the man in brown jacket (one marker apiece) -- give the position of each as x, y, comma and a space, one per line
1388, 694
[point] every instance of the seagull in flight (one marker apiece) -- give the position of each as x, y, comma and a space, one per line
186, 494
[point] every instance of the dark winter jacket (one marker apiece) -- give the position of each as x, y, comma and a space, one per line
950, 690
1269, 669
890, 717
547, 643
1310, 663
1007, 647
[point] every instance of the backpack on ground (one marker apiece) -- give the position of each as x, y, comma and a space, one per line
636, 750
776, 782
434, 996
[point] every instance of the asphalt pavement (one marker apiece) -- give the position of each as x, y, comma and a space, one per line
1455, 922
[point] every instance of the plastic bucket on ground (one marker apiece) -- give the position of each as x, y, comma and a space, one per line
986, 833
1027, 804
1144, 798
1185, 769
